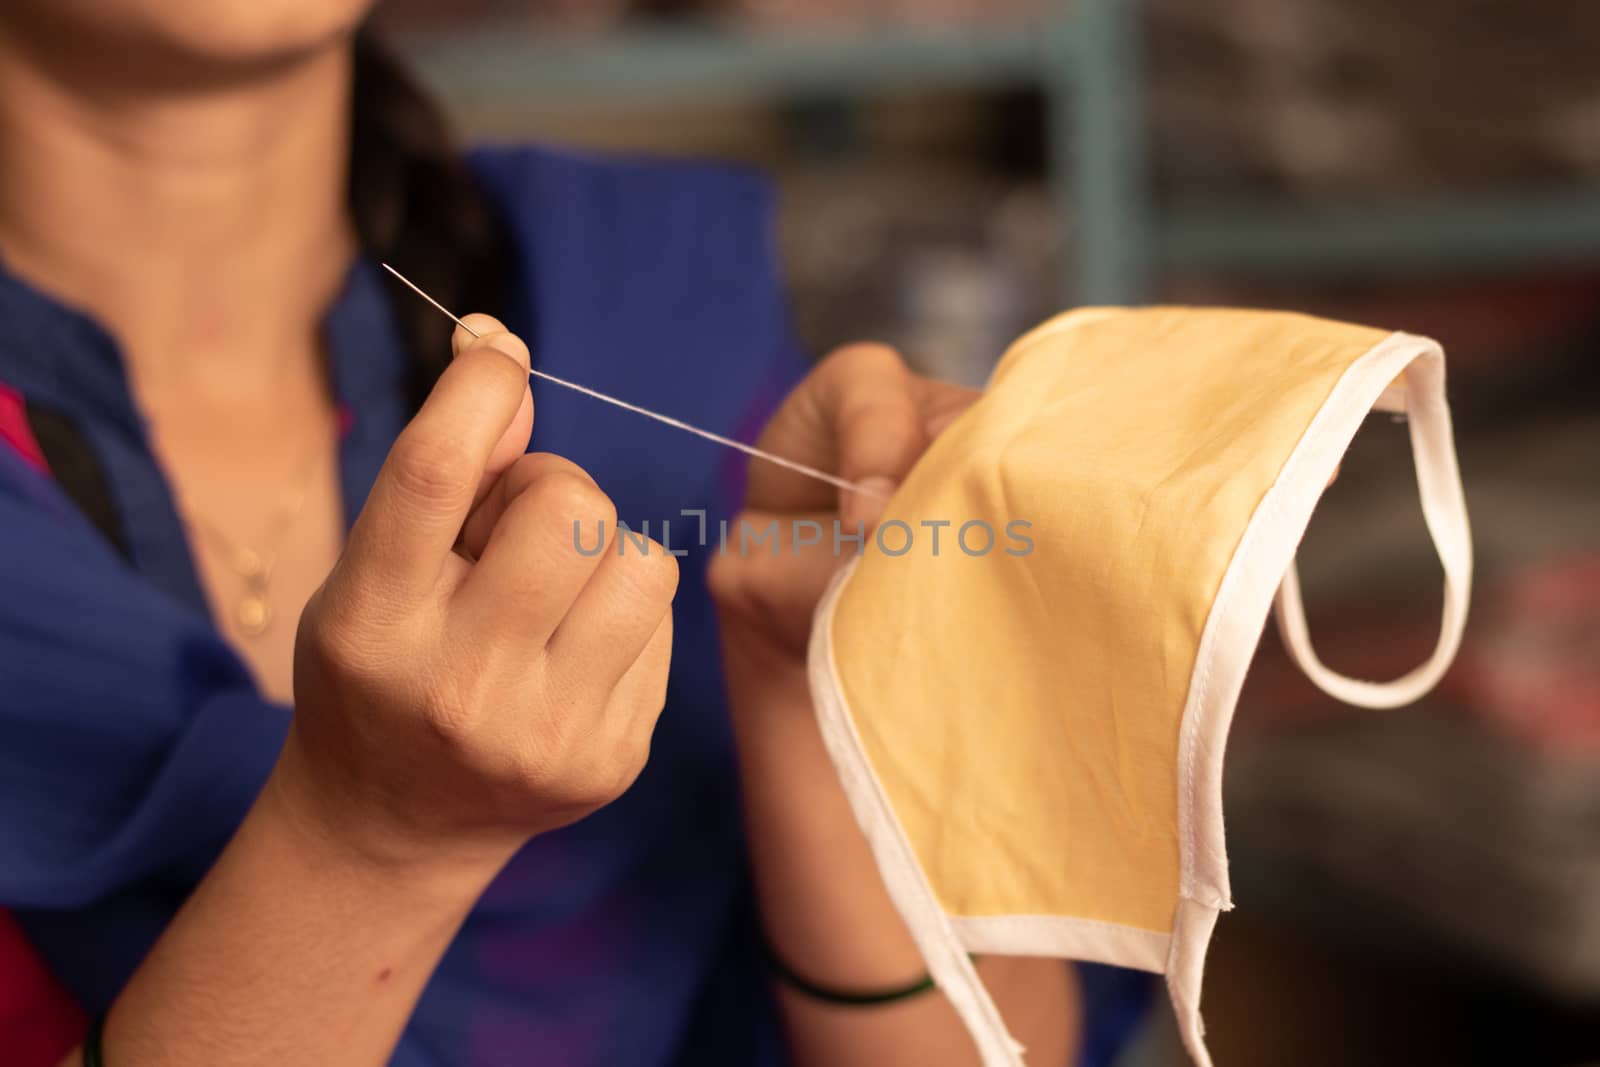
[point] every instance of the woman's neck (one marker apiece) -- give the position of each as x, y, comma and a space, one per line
205, 226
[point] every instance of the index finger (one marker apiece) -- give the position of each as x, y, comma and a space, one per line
426, 486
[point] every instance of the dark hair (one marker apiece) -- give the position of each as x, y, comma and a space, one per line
417, 205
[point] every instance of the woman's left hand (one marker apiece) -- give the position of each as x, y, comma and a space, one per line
862, 414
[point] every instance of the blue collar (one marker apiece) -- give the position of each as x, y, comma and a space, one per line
60, 359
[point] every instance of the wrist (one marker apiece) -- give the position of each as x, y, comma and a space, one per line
356, 834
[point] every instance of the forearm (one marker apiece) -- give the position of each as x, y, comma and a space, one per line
292, 950
830, 919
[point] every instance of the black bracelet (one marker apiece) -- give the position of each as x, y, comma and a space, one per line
92, 1053
849, 998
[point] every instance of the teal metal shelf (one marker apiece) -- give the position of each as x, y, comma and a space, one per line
711, 60
1081, 54
1460, 235
1084, 56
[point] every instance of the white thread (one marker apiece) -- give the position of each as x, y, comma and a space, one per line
727, 442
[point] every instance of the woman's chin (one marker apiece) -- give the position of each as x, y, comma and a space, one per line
179, 39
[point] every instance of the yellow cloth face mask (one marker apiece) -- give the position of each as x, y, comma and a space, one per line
1026, 679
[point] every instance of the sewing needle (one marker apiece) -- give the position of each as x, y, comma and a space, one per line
727, 442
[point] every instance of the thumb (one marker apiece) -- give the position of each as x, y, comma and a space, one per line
435, 469
514, 442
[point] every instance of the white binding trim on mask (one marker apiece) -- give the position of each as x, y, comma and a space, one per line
1444, 509
942, 949
1233, 626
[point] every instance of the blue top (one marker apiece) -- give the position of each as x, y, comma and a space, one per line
132, 738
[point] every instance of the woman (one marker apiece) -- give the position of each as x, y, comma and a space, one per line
216, 414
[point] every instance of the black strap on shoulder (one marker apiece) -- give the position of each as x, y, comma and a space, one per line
78, 471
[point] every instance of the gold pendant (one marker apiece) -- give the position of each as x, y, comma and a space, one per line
253, 616
248, 564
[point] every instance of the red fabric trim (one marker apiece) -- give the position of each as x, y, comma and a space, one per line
15, 431
39, 1022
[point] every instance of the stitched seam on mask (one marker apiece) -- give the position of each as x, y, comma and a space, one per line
1066, 936
999, 920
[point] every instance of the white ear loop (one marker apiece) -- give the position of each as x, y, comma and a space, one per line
1444, 510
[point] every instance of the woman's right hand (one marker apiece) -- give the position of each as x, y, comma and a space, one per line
466, 677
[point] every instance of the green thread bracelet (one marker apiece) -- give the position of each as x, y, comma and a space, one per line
848, 998
92, 1053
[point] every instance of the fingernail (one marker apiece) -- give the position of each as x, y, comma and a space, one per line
471, 328
868, 502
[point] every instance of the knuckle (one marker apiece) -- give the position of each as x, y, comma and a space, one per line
650, 698
334, 638
455, 703
616, 768
861, 355
628, 765
570, 734
667, 575
359, 603
449, 724
429, 470
652, 575
565, 497
727, 579
595, 761
752, 591
526, 468
586, 759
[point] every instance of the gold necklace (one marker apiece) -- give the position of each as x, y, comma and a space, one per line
253, 614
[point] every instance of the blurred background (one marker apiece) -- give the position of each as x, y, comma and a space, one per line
1414, 887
